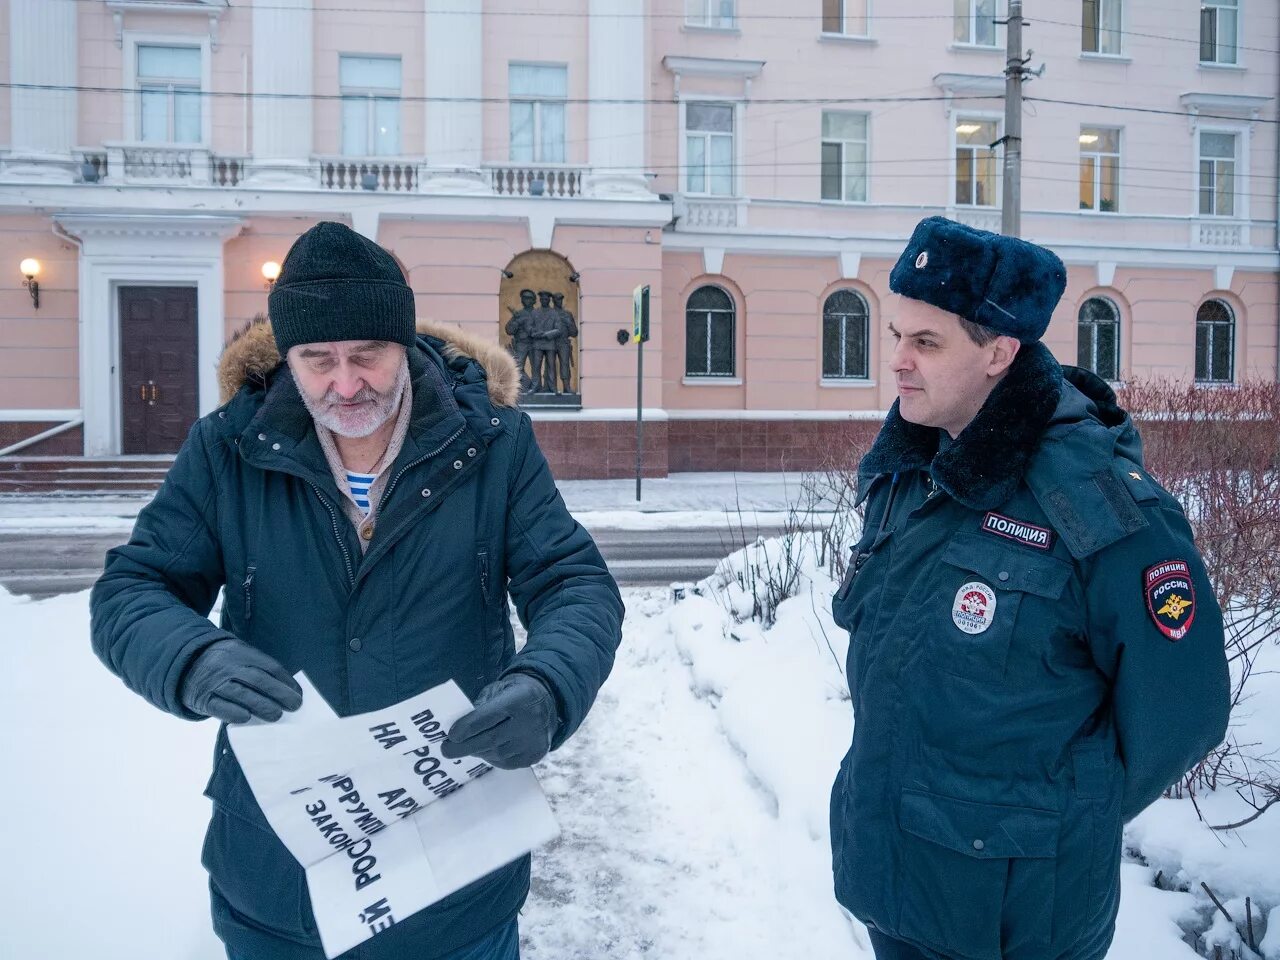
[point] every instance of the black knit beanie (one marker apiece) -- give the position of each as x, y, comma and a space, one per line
337, 285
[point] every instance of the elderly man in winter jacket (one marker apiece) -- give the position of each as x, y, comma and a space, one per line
368, 504
1035, 649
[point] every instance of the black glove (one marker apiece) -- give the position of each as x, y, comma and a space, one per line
233, 681
511, 726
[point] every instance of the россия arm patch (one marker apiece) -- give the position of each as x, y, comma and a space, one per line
1171, 597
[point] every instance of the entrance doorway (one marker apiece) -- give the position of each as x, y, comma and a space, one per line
157, 368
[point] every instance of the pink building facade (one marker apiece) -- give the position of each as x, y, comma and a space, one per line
758, 167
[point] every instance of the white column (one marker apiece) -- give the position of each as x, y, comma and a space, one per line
616, 71
283, 44
42, 50
454, 57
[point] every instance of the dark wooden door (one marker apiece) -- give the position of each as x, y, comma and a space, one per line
157, 367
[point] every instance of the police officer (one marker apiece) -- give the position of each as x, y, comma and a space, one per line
1035, 650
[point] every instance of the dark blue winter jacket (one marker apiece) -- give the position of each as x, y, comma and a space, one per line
470, 515
1035, 654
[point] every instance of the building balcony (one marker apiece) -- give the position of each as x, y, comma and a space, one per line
701, 213
1220, 233
387, 174
149, 163
536, 179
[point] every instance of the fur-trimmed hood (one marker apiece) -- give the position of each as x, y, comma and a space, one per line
987, 462
251, 356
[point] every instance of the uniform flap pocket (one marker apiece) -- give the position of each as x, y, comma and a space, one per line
228, 788
980, 830
1009, 568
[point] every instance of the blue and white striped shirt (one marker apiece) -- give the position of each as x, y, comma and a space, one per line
359, 484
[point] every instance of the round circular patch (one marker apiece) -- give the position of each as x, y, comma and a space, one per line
922, 261
974, 607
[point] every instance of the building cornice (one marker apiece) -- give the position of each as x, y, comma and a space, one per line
84, 226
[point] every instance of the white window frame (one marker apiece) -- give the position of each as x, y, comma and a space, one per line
1124, 14
706, 18
1119, 325
1235, 343
823, 141
846, 378
1240, 197
733, 375
737, 187
844, 21
370, 95
1217, 5
1097, 166
537, 112
130, 41
955, 119
999, 41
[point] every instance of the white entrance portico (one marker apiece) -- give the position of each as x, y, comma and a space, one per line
124, 249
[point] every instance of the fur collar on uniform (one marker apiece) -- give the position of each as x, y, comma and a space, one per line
251, 356
985, 464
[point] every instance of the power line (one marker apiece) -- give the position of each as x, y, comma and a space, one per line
619, 101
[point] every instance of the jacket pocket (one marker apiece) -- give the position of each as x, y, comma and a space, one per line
983, 588
253, 871
975, 875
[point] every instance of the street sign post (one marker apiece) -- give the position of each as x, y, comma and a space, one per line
639, 334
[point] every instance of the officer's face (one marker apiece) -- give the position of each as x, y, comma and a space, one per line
350, 386
943, 377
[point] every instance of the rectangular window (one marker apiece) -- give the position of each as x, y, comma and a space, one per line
849, 17
976, 162
538, 93
1219, 27
370, 89
709, 148
1101, 22
844, 156
710, 13
975, 22
1099, 169
1217, 174
169, 108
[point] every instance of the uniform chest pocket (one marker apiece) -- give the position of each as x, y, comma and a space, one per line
984, 598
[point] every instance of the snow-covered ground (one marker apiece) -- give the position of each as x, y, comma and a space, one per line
694, 821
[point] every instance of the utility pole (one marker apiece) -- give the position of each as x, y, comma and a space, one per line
1015, 68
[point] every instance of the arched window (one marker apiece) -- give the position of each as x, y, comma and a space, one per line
1098, 343
1215, 342
845, 337
708, 336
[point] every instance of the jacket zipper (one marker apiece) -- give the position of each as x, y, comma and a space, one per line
337, 532
409, 466
248, 593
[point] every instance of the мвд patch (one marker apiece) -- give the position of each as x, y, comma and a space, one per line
1171, 597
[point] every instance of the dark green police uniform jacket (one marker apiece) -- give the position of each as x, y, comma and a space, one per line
1035, 654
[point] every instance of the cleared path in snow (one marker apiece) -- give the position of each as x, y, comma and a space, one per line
668, 848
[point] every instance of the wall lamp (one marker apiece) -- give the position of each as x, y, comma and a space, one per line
508, 274
575, 277
270, 272
30, 268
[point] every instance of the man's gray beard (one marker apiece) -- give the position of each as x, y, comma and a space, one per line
384, 408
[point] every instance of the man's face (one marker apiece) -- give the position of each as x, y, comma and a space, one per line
350, 386
528, 298
943, 377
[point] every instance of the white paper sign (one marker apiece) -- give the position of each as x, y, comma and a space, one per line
382, 822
